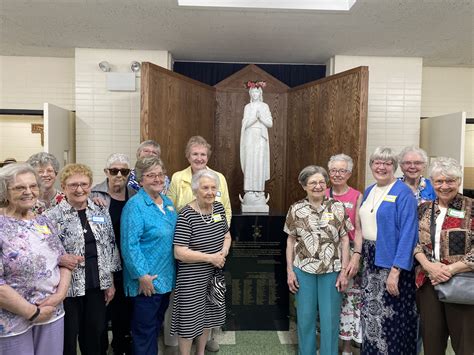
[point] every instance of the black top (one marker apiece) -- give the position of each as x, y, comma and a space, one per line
115, 211
90, 255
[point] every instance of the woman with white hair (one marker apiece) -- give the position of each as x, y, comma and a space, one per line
413, 162
340, 170
201, 245
388, 218
115, 194
47, 167
445, 248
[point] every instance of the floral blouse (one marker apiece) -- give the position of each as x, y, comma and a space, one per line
457, 233
71, 235
29, 255
424, 191
40, 206
318, 233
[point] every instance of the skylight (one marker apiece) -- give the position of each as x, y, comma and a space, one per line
329, 5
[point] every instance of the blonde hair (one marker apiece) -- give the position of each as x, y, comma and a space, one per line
73, 169
197, 140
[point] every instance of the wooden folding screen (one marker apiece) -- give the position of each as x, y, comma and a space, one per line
310, 123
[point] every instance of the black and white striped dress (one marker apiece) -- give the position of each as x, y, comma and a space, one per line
192, 312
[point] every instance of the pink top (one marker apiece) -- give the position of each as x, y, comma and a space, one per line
350, 203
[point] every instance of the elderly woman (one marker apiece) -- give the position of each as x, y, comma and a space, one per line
86, 232
317, 256
340, 170
450, 218
201, 244
148, 148
32, 284
115, 194
147, 228
47, 167
413, 162
388, 221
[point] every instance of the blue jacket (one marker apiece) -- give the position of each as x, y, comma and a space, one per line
147, 243
397, 227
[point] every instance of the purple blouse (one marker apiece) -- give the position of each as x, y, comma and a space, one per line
29, 256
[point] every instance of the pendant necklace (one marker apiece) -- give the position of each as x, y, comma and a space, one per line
202, 217
374, 201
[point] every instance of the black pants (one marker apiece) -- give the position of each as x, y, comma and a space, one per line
85, 317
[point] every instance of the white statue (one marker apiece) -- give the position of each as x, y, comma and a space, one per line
255, 149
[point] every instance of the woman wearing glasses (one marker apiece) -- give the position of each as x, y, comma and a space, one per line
389, 226
340, 170
115, 194
86, 232
147, 228
317, 257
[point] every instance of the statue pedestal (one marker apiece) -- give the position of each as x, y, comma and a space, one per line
257, 296
255, 208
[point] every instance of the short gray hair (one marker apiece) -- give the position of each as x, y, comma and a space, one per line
384, 153
9, 173
341, 157
309, 171
201, 174
117, 158
146, 144
43, 159
447, 167
144, 164
413, 149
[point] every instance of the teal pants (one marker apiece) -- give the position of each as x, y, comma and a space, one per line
317, 294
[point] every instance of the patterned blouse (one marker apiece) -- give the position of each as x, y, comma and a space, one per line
457, 233
72, 236
318, 233
424, 191
40, 206
29, 255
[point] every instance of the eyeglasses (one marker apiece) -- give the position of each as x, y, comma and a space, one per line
148, 151
22, 188
378, 163
154, 176
333, 172
115, 171
46, 172
316, 183
75, 186
449, 182
414, 163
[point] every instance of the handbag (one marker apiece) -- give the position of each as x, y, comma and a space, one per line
216, 288
460, 287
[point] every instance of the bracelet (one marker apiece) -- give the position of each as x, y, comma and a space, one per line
357, 252
34, 316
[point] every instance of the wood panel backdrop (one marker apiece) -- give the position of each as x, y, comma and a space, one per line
310, 123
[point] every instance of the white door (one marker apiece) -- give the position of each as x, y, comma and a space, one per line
58, 133
445, 136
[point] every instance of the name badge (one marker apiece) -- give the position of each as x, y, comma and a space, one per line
327, 216
218, 194
390, 198
349, 205
170, 208
43, 229
98, 219
217, 217
455, 213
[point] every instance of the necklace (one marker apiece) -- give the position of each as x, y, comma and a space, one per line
376, 201
208, 218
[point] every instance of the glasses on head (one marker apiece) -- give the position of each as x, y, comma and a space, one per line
115, 171
154, 176
449, 182
74, 186
46, 172
413, 163
316, 183
22, 188
334, 172
378, 163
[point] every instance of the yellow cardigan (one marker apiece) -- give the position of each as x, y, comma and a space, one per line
181, 194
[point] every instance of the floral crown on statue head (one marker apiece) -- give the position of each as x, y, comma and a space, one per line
255, 84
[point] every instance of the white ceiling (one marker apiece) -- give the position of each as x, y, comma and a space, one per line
441, 32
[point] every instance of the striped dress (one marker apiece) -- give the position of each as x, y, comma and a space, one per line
192, 312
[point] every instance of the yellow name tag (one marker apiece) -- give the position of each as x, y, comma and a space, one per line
217, 217
390, 198
455, 213
43, 229
327, 216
